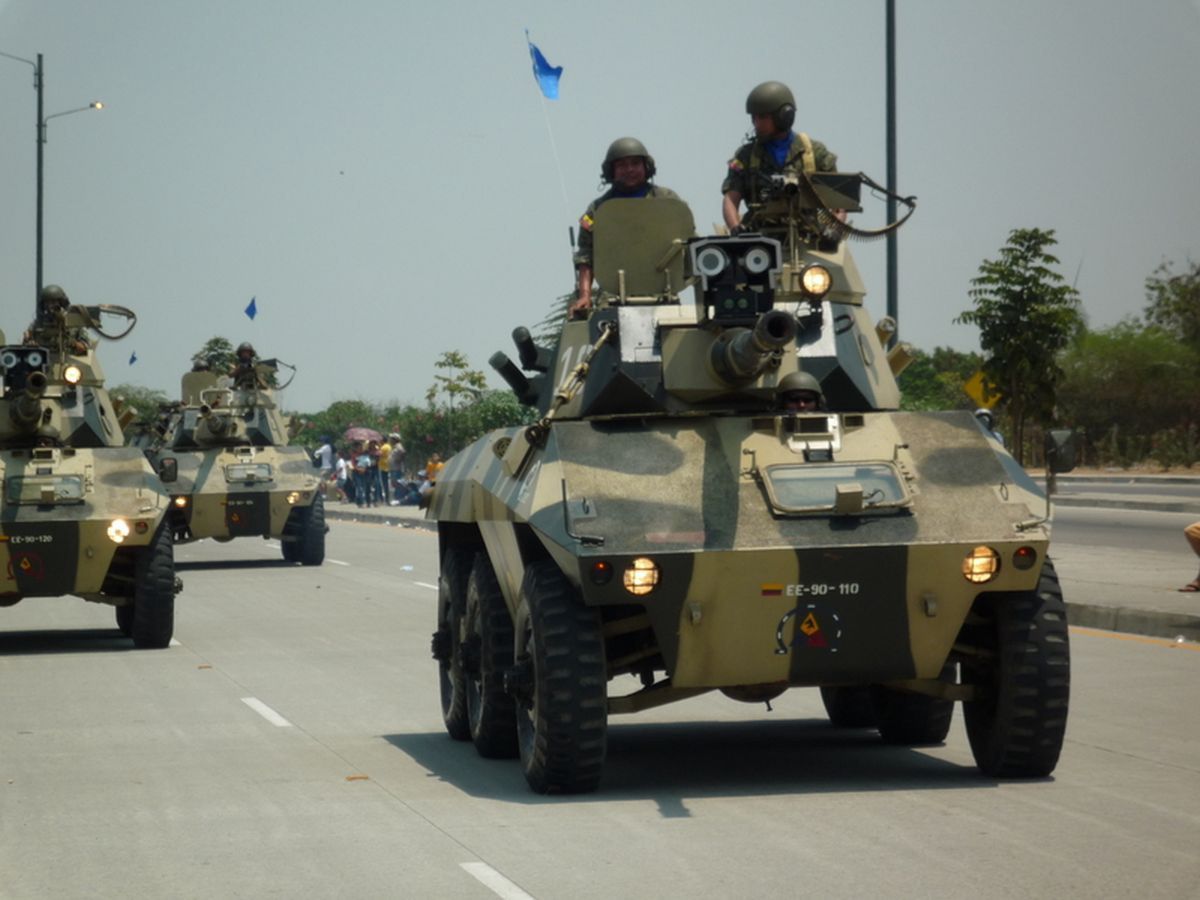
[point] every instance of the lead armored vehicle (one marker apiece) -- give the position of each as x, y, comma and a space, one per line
82, 514
237, 476
669, 527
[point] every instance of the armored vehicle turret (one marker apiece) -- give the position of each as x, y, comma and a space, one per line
82, 514
237, 476
677, 522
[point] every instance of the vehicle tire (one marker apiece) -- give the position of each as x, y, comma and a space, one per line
452, 601
913, 720
487, 655
290, 550
849, 706
561, 682
125, 619
311, 547
1017, 725
154, 593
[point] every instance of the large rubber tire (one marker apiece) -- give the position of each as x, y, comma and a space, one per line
913, 720
154, 592
125, 619
562, 712
849, 706
452, 602
290, 550
1016, 727
311, 545
487, 655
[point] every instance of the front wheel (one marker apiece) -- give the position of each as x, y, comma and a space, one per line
849, 706
154, 593
1021, 669
560, 680
311, 538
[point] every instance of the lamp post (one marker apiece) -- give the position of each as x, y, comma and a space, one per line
39, 84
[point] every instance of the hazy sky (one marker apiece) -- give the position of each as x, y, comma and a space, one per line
384, 177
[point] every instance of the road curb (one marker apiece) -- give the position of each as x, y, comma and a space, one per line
1148, 622
397, 520
1182, 506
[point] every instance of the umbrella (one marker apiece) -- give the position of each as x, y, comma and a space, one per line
358, 433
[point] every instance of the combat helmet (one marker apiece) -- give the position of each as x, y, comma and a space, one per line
243, 347
51, 298
773, 98
800, 381
621, 148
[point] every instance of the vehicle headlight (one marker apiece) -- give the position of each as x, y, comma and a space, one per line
118, 530
179, 502
816, 281
293, 498
641, 576
981, 565
711, 261
72, 374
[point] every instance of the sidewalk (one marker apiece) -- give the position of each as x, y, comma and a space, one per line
1135, 594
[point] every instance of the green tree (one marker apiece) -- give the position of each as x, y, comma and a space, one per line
336, 418
1026, 316
144, 401
935, 380
1173, 302
461, 386
217, 352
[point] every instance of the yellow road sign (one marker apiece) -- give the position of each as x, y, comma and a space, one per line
977, 391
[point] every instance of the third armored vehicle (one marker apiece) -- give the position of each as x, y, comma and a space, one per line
237, 475
82, 514
669, 524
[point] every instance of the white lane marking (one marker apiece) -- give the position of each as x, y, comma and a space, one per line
494, 881
432, 587
336, 562
266, 712
175, 643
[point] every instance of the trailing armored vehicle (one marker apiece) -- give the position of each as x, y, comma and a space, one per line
673, 525
82, 514
236, 475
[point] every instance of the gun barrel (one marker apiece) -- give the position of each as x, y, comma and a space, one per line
508, 370
743, 353
216, 423
25, 408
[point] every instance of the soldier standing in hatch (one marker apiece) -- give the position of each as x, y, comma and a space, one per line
774, 150
629, 168
244, 371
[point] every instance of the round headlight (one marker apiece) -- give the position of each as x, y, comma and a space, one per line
816, 281
180, 502
72, 374
711, 261
641, 577
35, 358
118, 530
757, 260
981, 565
293, 497
8, 359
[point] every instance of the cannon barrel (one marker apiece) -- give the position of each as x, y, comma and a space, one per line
516, 379
742, 353
216, 423
25, 407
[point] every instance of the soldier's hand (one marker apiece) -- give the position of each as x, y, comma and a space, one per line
579, 309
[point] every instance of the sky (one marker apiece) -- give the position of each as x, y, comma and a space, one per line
386, 180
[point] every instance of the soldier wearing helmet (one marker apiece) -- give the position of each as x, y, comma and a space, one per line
800, 392
773, 150
245, 369
49, 326
629, 168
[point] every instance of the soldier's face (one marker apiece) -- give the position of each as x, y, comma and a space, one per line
764, 124
629, 173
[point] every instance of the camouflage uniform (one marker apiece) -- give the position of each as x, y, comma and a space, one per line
753, 159
583, 252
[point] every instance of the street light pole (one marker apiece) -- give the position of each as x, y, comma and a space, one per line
39, 84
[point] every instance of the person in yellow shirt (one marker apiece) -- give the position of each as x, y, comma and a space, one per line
385, 455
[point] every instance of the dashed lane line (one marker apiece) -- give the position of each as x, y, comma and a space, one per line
494, 881
425, 584
266, 712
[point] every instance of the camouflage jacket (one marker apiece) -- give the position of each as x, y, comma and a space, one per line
751, 163
583, 250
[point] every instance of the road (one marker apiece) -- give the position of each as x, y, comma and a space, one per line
292, 743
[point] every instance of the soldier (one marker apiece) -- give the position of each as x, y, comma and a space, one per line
628, 167
245, 370
774, 150
49, 325
800, 392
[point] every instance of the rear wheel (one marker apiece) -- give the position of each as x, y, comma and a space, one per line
153, 617
849, 706
913, 720
311, 545
447, 648
487, 655
560, 680
1022, 672
125, 619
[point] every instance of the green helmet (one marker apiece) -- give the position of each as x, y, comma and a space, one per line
622, 148
775, 99
245, 347
52, 297
800, 381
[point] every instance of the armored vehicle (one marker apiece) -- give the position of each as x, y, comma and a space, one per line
670, 525
82, 514
236, 474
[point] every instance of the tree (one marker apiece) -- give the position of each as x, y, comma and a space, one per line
462, 384
144, 401
1026, 315
217, 352
1173, 302
935, 381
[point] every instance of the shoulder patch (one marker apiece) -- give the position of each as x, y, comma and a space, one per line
735, 165
585, 222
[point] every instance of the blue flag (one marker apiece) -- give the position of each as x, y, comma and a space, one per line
133, 357
252, 309
547, 75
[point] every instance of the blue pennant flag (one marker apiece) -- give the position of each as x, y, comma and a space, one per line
133, 357
547, 75
252, 309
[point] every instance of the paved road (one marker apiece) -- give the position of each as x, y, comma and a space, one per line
291, 743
